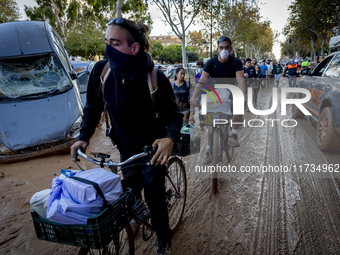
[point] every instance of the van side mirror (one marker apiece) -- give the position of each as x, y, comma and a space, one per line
305, 71
74, 75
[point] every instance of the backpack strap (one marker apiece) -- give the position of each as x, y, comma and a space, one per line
153, 86
103, 78
152, 82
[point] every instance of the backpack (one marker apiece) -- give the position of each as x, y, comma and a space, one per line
152, 83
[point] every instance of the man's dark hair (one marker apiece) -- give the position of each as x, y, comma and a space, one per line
136, 32
248, 60
199, 64
223, 39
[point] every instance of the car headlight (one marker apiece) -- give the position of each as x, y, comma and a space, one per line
4, 149
75, 129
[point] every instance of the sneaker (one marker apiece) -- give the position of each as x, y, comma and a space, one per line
207, 159
233, 141
163, 247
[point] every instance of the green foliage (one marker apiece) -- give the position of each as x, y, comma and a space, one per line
241, 22
86, 41
65, 16
9, 11
192, 56
156, 49
312, 20
171, 54
195, 39
180, 14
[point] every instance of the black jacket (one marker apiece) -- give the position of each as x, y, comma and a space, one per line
132, 115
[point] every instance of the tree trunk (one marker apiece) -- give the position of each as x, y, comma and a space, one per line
313, 50
184, 54
119, 9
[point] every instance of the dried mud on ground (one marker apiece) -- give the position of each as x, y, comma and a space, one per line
286, 213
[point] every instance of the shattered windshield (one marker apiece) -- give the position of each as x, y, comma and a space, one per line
32, 77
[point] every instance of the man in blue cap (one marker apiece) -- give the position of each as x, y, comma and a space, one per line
292, 72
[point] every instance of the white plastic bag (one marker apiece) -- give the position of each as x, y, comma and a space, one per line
39, 202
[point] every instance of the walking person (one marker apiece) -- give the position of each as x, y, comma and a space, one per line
264, 74
254, 62
249, 74
181, 88
135, 122
292, 72
270, 76
258, 80
277, 71
305, 64
243, 62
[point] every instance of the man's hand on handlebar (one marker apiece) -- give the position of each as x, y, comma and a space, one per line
76, 145
164, 150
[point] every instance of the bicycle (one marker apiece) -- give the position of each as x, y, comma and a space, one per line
123, 241
219, 142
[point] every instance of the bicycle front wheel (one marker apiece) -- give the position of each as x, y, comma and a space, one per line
215, 151
229, 151
123, 244
175, 191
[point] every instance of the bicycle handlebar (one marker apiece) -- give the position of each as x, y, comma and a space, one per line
147, 151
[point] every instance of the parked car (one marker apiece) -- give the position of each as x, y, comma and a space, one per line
83, 70
40, 103
324, 105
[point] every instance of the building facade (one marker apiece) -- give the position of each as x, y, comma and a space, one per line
167, 40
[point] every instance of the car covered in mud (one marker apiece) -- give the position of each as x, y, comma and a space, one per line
324, 85
83, 70
40, 103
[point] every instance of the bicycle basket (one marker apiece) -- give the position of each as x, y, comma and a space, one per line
186, 147
96, 234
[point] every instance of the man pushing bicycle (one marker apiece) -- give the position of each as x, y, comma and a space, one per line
136, 118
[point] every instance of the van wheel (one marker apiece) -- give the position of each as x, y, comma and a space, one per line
296, 112
326, 137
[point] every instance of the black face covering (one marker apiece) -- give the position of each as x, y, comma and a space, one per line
128, 66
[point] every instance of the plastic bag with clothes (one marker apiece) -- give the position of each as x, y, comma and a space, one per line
73, 202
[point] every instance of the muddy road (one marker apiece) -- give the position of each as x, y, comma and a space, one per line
253, 213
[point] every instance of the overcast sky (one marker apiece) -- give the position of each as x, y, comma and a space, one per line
273, 10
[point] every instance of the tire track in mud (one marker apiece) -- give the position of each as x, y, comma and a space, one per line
297, 211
